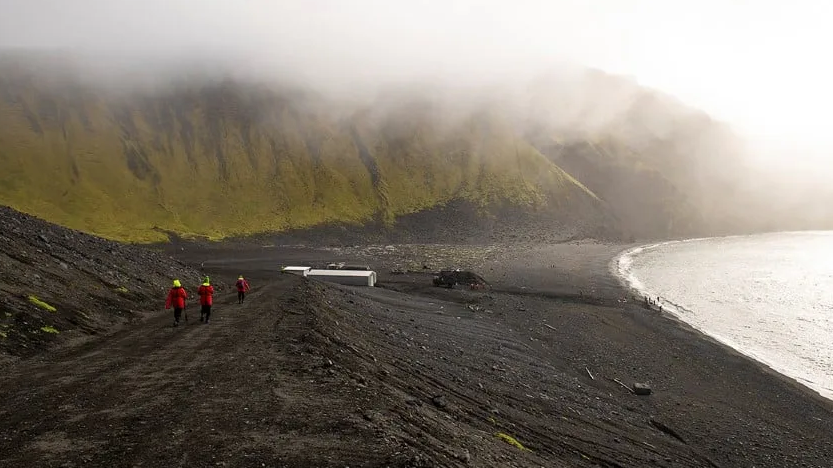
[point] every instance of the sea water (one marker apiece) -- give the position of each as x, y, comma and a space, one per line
769, 296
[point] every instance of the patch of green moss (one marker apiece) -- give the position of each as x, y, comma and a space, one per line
3, 335
49, 329
510, 440
122, 289
43, 305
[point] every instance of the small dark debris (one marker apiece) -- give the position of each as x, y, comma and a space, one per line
641, 389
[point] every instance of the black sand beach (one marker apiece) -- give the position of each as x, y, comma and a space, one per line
408, 374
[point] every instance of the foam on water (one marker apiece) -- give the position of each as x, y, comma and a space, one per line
768, 296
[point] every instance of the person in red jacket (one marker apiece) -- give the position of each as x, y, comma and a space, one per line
242, 288
176, 299
206, 292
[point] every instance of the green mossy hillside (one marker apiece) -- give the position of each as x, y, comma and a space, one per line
223, 159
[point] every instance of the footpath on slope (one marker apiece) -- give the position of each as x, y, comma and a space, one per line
293, 377
224, 394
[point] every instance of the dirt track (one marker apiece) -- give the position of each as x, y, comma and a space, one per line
406, 374
224, 394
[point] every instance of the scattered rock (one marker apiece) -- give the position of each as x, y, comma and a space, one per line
439, 401
641, 389
418, 461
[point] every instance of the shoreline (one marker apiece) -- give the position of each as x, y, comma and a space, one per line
408, 374
670, 310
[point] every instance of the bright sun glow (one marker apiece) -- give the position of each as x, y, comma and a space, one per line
762, 66
759, 65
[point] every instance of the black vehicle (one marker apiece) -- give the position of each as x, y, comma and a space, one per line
451, 278
343, 266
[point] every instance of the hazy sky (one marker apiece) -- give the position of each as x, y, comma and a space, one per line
763, 65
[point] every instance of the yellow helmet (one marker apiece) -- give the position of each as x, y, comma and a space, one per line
177, 284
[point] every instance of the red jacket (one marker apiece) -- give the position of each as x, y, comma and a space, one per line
206, 292
242, 285
176, 298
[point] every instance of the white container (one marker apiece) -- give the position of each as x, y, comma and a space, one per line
350, 277
297, 270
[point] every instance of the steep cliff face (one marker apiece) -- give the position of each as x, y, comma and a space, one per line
225, 158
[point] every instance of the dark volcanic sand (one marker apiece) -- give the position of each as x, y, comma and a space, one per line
306, 374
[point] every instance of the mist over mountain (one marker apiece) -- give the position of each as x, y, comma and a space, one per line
134, 149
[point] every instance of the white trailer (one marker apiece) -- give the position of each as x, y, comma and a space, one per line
351, 277
296, 270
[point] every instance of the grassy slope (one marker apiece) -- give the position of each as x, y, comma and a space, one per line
223, 160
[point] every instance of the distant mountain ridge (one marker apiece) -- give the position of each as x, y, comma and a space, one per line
219, 158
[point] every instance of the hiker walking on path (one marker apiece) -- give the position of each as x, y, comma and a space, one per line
176, 299
242, 288
206, 292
